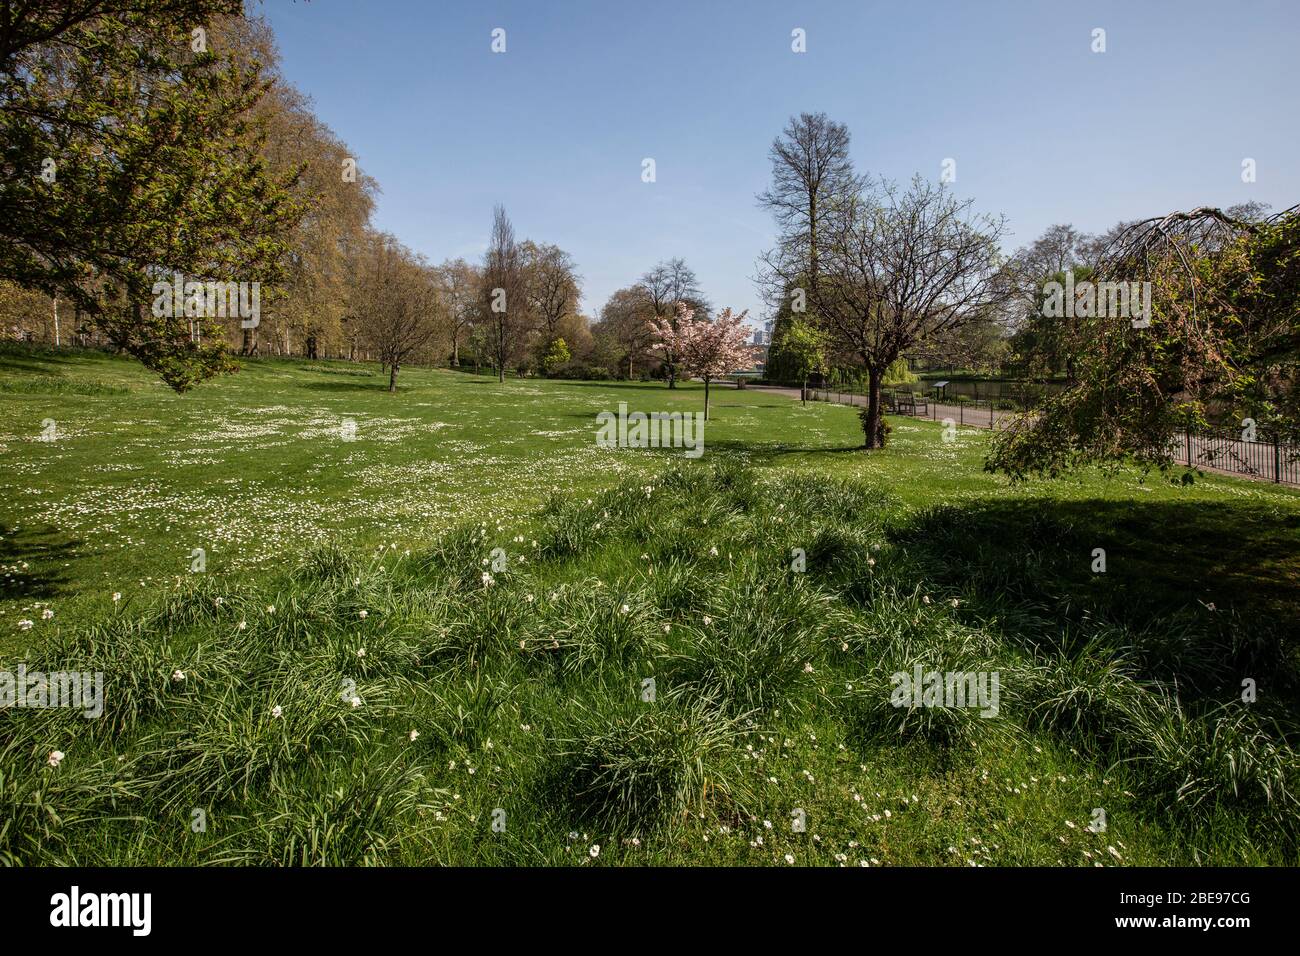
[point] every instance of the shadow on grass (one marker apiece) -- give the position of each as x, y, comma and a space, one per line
44, 553
1202, 592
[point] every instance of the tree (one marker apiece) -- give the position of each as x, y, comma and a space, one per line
805, 349
504, 293
310, 304
705, 348
980, 345
557, 356
458, 284
1217, 336
900, 269
399, 293
666, 286
625, 322
553, 286
811, 176
117, 122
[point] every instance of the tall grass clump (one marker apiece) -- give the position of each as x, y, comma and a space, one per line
632, 771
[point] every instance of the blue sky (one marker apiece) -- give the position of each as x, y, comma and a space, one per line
1042, 129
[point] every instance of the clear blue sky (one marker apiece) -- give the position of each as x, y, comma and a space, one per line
1042, 129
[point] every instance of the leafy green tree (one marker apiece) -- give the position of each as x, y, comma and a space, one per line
130, 153
1221, 343
898, 374
556, 357
805, 347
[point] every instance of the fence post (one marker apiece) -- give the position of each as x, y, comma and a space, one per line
1188, 434
1277, 459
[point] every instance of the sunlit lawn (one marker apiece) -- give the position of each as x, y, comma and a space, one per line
256, 467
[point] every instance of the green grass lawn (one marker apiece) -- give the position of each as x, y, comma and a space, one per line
1120, 691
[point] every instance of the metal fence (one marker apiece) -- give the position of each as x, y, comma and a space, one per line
1225, 450
975, 413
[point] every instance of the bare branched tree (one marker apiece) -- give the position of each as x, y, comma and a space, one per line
625, 319
553, 287
397, 293
665, 286
505, 293
900, 269
811, 175
458, 286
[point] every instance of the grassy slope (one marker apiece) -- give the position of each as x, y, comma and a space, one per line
251, 470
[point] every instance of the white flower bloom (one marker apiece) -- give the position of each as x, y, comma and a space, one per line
412, 735
363, 614
55, 758
47, 614
117, 596
277, 710
178, 675
356, 702
594, 851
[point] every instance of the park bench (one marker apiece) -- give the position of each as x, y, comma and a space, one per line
906, 403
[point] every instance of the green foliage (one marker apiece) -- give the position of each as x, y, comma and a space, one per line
898, 374
804, 349
1223, 344
555, 357
118, 132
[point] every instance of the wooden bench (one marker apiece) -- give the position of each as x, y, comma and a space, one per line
908, 404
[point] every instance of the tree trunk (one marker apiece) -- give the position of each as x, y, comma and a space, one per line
455, 353
392, 377
803, 392
872, 426
706, 398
